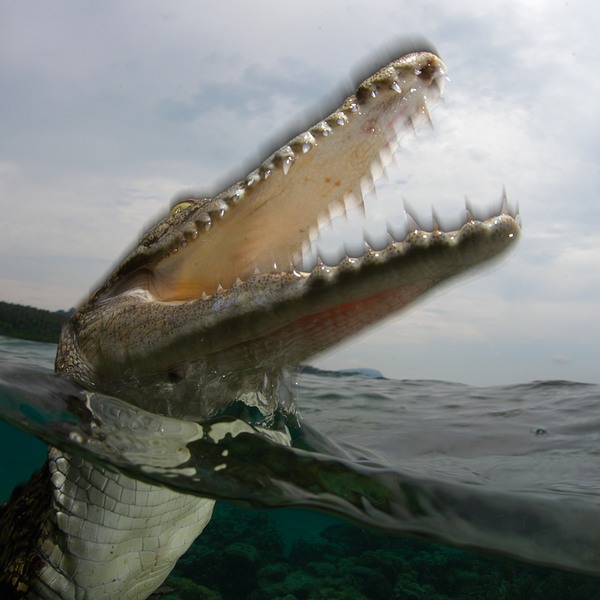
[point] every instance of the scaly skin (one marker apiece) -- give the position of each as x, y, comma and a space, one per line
211, 307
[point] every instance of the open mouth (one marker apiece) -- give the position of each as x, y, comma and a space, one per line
238, 281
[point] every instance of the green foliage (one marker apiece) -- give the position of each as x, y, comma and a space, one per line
28, 323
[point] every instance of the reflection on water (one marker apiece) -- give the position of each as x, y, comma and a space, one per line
444, 461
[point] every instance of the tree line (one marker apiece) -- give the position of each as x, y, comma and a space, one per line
29, 323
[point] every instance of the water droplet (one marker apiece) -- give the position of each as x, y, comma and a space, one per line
541, 431
76, 437
287, 163
396, 87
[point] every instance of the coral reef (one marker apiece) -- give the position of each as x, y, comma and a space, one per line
249, 555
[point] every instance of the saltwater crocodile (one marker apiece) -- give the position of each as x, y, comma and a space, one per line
209, 309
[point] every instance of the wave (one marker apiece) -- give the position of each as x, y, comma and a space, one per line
400, 492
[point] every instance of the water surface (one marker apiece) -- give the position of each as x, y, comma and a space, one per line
510, 469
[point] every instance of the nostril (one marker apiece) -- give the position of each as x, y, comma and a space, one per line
175, 375
427, 72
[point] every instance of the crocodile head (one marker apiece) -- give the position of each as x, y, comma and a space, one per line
214, 303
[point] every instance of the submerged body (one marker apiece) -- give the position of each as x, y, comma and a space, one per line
208, 312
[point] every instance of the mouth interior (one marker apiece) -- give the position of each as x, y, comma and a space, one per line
269, 221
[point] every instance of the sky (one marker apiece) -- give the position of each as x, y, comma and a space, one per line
108, 110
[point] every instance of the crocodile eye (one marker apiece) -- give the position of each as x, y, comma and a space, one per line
177, 208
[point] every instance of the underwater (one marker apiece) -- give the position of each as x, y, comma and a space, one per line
404, 475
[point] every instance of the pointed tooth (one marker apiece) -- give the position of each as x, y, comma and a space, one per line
331, 252
411, 221
392, 145
425, 117
366, 185
435, 222
309, 264
354, 200
386, 157
354, 246
296, 261
440, 84
341, 119
469, 210
323, 221
306, 246
253, 178
376, 233
411, 224
398, 231
412, 120
518, 217
376, 170
218, 206
504, 210
202, 218
336, 210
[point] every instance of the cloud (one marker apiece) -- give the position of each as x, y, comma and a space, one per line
110, 109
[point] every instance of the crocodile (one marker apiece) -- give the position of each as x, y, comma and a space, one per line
209, 310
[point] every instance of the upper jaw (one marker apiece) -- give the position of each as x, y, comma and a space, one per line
263, 222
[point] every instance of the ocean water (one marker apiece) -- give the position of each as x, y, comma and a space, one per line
376, 467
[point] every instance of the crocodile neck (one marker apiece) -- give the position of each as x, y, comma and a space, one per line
101, 535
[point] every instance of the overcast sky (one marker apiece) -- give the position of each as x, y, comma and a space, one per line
109, 109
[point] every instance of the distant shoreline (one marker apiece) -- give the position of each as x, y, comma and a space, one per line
33, 324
